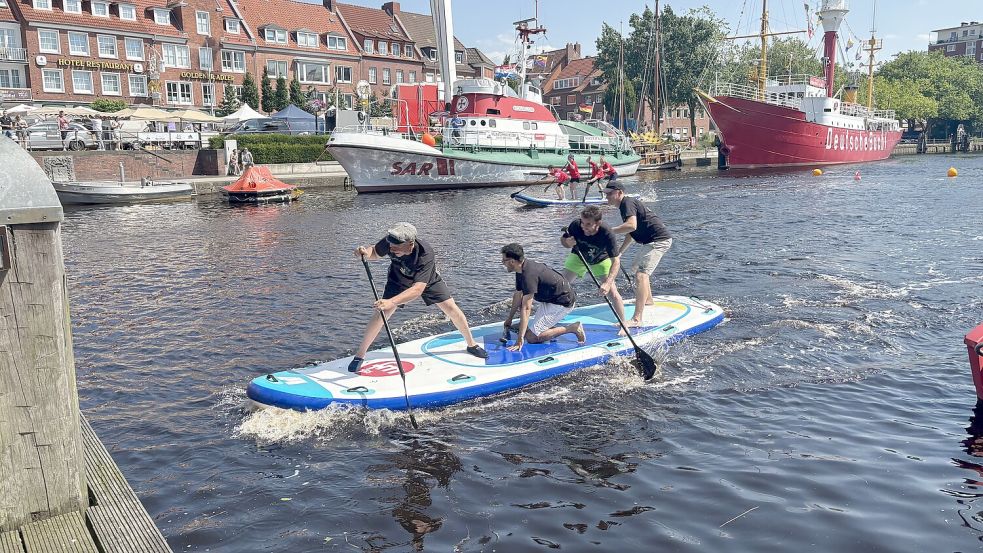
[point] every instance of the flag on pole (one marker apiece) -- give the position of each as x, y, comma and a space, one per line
809, 29
849, 44
586, 108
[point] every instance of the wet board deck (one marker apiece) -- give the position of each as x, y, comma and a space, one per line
547, 202
440, 372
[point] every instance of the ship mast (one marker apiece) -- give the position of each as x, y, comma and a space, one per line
763, 66
831, 15
658, 66
444, 27
873, 45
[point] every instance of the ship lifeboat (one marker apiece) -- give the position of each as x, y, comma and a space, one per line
974, 343
258, 185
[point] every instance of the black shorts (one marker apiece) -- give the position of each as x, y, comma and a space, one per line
434, 293
575, 179
612, 176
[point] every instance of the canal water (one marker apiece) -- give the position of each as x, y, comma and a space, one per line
832, 411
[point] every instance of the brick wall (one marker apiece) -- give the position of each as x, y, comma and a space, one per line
96, 165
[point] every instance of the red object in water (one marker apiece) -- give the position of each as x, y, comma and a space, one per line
974, 342
257, 184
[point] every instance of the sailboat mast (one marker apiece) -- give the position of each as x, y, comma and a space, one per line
873, 46
658, 66
621, 82
763, 67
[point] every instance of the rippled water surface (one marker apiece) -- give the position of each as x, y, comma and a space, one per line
830, 412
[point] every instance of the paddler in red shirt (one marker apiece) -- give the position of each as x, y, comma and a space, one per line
559, 178
574, 172
609, 171
596, 174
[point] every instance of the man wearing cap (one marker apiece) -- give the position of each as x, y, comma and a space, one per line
598, 244
412, 274
536, 281
643, 226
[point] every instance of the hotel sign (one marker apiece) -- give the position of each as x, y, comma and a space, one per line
15, 94
201, 76
96, 64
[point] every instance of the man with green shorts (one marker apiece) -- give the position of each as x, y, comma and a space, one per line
595, 240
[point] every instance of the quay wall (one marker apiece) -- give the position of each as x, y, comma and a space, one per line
105, 165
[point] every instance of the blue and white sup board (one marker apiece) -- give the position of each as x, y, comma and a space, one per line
440, 372
546, 202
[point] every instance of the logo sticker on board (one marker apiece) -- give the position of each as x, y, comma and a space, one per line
384, 368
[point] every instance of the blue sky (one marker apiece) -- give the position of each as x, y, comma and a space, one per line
487, 24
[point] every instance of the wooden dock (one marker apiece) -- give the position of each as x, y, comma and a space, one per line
60, 491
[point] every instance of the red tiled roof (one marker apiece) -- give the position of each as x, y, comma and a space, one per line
143, 24
372, 22
581, 67
7, 16
292, 16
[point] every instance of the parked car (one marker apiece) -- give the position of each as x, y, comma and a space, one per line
263, 125
46, 136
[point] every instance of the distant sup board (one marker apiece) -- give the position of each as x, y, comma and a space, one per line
440, 372
546, 202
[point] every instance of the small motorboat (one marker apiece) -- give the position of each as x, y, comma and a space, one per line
257, 185
120, 192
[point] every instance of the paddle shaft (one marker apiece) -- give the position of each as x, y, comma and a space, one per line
647, 361
392, 343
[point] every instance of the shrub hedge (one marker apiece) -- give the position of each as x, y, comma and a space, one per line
278, 148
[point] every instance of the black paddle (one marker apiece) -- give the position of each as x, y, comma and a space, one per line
392, 343
648, 363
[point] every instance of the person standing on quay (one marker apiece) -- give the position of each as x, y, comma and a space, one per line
233, 163
247, 159
63, 127
643, 226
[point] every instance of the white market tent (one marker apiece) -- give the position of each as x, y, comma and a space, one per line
20, 108
244, 113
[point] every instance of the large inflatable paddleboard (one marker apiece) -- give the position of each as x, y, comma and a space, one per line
440, 372
546, 202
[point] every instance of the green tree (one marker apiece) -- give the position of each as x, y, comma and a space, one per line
297, 96
631, 99
282, 95
230, 102
106, 105
267, 90
250, 93
379, 107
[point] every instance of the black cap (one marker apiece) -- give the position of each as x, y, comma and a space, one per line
614, 185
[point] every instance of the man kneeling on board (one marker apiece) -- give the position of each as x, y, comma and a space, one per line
556, 299
412, 274
595, 240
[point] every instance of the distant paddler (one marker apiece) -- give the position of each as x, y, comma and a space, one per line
556, 177
596, 175
536, 281
640, 225
598, 245
571, 169
412, 274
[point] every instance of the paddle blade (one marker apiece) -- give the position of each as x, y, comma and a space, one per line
646, 364
413, 421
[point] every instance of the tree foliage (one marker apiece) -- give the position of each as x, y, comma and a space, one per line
281, 96
106, 105
250, 94
230, 102
267, 92
297, 96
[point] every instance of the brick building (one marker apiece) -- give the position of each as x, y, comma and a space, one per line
577, 84
964, 40
389, 54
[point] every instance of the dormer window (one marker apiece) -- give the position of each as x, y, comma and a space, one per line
337, 43
396, 49
383, 48
433, 54
306, 39
369, 45
459, 57
42, 4
162, 16
128, 12
100, 9
278, 36
73, 6
232, 26
409, 51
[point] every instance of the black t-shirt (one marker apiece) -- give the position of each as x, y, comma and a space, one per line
419, 266
602, 245
545, 284
649, 227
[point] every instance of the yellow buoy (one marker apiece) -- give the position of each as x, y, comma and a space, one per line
952, 172
817, 172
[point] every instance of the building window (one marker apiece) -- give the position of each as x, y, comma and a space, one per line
205, 59
399, 76
107, 46
337, 43
179, 93
567, 83
128, 12
233, 61
397, 49
100, 9
203, 24
73, 6
278, 36
571, 99
43, 5
307, 40
276, 68
138, 85
48, 42
459, 57
232, 26
52, 80
373, 75
313, 72
386, 79
207, 94
554, 100
412, 76
342, 74
78, 44
134, 48
383, 48
162, 17
111, 84
82, 82
177, 55
433, 54
950, 48
430, 77
368, 44
588, 99
408, 51
10, 78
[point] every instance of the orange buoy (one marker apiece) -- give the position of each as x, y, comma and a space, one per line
952, 172
856, 176
429, 140
817, 172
